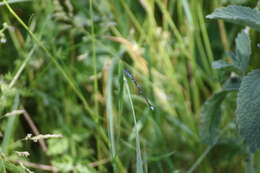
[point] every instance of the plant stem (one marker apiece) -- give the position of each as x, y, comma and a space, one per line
249, 164
139, 162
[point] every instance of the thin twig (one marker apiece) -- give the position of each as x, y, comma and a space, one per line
53, 168
97, 163
35, 130
36, 165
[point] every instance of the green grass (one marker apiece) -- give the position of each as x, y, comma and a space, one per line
63, 63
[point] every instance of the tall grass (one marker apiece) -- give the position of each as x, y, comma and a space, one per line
63, 63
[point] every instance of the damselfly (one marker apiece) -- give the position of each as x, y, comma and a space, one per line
139, 88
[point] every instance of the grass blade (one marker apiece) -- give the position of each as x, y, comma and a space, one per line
139, 162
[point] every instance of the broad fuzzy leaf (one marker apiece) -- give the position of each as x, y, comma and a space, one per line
238, 15
248, 109
241, 57
211, 115
243, 51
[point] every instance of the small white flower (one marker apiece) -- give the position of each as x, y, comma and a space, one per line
23, 153
5, 25
3, 40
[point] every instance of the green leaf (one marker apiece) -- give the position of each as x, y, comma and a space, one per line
220, 64
238, 15
58, 146
210, 118
237, 1
243, 51
248, 109
232, 84
13, 168
241, 57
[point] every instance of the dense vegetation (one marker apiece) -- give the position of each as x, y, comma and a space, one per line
119, 86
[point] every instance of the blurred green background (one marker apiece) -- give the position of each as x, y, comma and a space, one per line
67, 78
